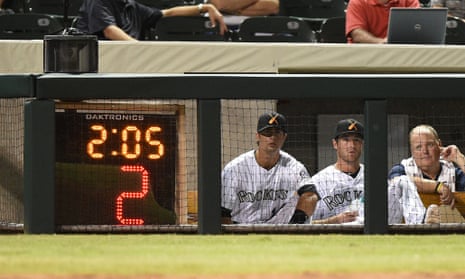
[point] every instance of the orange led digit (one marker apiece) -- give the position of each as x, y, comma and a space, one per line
148, 138
96, 141
125, 137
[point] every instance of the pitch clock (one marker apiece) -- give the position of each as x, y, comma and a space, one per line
116, 164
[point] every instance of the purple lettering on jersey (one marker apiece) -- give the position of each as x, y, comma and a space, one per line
244, 196
341, 199
269, 195
266, 195
281, 194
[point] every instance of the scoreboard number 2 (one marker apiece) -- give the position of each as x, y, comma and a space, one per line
132, 195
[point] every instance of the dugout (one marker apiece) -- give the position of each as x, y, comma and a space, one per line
391, 91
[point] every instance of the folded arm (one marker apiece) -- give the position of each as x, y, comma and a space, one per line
360, 35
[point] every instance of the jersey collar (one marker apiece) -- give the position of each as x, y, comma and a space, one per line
390, 3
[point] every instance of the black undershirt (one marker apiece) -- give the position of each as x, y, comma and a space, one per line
353, 174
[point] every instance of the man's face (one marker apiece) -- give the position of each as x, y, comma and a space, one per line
425, 149
348, 148
271, 139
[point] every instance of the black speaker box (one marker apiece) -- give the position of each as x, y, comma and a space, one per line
70, 54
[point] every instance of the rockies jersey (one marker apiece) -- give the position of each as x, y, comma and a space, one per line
256, 195
405, 203
337, 191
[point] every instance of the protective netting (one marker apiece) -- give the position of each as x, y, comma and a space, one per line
11, 163
311, 126
408, 202
260, 196
171, 190
95, 139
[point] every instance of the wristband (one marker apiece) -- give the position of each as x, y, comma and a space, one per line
299, 217
439, 187
308, 188
200, 7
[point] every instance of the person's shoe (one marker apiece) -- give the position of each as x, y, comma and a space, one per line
432, 215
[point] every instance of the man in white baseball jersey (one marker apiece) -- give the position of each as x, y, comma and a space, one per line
341, 185
267, 185
431, 169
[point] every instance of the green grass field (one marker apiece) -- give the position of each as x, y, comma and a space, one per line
229, 254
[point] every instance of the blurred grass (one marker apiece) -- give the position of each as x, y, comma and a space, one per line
229, 254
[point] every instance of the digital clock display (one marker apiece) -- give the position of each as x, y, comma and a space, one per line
116, 164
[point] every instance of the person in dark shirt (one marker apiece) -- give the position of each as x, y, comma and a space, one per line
431, 169
128, 19
6, 7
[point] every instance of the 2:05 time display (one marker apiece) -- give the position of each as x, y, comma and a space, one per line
130, 137
115, 166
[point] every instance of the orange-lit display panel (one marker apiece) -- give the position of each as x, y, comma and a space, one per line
115, 165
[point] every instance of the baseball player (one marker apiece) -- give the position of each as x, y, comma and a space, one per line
431, 169
267, 185
341, 185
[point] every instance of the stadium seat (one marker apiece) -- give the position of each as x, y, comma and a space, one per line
29, 26
54, 7
275, 29
165, 4
315, 9
455, 31
186, 28
333, 30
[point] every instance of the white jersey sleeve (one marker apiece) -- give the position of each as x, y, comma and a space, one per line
404, 201
405, 204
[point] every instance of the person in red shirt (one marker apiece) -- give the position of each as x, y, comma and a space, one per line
367, 20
